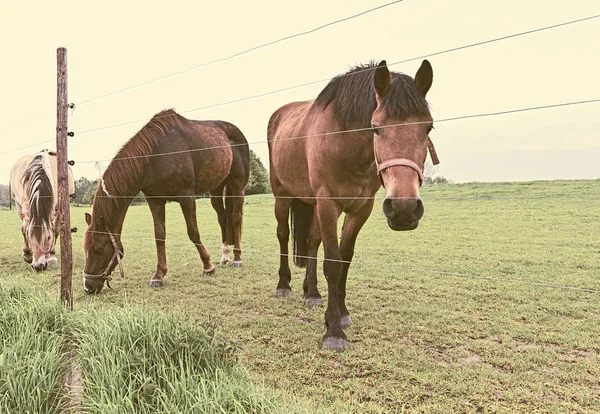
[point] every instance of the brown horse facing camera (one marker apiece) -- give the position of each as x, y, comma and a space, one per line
318, 172
170, 159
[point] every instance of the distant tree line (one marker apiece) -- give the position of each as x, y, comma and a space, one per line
429, 171
4, 196
258, 183
85, 189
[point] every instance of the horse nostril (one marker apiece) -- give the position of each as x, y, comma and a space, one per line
388, 208
419, 210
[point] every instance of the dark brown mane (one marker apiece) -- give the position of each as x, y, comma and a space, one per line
129, 163
40, 196
353, 97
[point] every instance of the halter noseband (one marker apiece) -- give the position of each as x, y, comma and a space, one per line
404, 162
106, 274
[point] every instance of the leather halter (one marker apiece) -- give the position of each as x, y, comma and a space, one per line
106, 274
405, 162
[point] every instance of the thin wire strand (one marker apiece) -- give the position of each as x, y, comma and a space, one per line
240, 53
545, 245
299, 85
28, 146
381, 197
455, 118
410, 269
25, 123
354, 73
376, 197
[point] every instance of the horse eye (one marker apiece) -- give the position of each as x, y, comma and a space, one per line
429, 129
375, 129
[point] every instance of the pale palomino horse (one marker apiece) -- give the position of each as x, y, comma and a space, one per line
33, 183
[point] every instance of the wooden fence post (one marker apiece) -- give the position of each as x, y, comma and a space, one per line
66, 247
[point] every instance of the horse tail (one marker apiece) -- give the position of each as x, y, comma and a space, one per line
228, 213
301, 217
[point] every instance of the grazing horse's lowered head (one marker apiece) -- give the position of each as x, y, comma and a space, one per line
40, 229
33, 185
103, 252
401, 124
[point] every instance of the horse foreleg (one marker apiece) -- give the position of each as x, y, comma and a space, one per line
157, 207
188, 208
27, 252
352, 225
328, 213
312, 297
282, 214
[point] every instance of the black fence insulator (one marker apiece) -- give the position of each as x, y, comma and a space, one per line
74, 230
71, 162
70, 134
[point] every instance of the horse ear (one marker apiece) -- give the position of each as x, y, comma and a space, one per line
424, 77
382, 79
88, 219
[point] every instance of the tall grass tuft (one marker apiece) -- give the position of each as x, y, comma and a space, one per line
32, 351
148, 362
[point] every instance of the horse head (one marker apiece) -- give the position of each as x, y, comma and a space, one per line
401, 125
41, 232
103, 252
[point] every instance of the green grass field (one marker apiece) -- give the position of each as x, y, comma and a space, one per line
491, 305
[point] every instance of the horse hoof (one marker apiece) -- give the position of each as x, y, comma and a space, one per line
209, 271
346, 321
237, 263
335, 344
283, 293
224, 261
156, 283
313, 302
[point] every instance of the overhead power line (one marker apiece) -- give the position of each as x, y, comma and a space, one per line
324, 134
261, 46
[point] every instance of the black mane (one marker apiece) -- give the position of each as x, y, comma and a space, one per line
353, 97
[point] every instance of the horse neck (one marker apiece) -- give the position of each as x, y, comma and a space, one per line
359, 147
112, 203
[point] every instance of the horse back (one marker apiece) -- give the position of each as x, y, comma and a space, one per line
288, 158
200, 156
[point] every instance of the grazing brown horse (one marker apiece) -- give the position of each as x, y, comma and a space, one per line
318, 172
170, 159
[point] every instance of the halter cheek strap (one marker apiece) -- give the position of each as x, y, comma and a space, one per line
116, 256
404, 162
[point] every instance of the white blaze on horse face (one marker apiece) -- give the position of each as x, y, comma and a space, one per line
85, 289
225, 255
39, 260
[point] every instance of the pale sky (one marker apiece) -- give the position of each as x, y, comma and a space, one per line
117, 44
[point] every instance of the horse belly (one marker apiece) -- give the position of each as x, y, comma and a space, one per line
212, 169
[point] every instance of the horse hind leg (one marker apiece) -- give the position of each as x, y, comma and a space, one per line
312, 297
235, 212
216, 200
188, 208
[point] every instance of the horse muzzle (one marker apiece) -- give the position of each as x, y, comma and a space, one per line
403, 214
